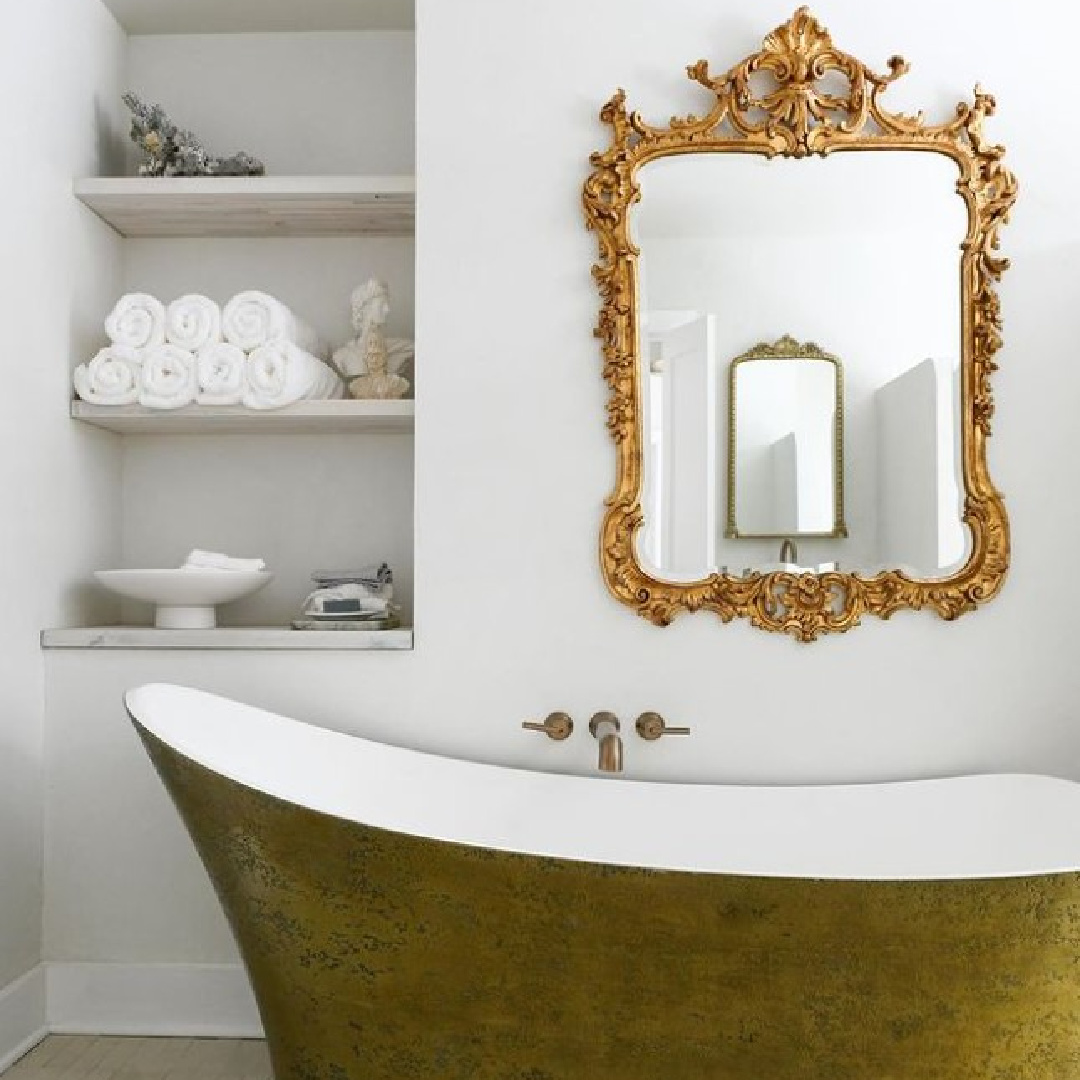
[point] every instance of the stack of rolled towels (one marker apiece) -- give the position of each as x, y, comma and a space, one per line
253, 352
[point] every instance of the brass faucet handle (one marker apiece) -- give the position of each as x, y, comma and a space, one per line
557, 726
603, 718
651, 725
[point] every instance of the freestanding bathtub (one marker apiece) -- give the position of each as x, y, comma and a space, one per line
404, 916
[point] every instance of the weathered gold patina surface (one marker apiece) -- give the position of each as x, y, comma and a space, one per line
376, 955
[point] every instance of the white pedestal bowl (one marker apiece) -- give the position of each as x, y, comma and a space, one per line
184, 599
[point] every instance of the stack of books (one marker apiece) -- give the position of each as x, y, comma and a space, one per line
350, 600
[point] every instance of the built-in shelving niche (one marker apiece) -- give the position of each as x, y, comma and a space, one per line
344, 467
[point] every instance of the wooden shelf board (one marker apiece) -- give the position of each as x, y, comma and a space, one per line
253, 205
308, 417
255, 637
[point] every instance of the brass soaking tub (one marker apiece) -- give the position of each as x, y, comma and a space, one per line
405, 916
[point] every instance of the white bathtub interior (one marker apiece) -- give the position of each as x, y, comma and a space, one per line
978, 826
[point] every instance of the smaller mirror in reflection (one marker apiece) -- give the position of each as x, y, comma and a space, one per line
785, 443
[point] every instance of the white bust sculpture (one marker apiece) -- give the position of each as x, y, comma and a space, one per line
371, 362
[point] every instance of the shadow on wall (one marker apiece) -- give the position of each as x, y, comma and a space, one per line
20, 842
112, 146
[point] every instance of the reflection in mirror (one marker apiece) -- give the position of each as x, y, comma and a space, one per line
857, 252
785, 443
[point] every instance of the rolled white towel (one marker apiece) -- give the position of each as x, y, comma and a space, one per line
220, 374
137, 322
281, 373
213, 560
252, 319
111, 378
169, 379
193, 322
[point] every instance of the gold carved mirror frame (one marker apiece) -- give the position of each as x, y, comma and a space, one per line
796, 118
787, 348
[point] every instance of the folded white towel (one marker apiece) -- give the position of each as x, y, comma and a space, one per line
137, 322
214, 560
193, 322
281, 373
111, 378
252, 319
220, 374
169, 378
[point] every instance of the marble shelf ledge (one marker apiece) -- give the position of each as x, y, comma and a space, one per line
305, 418
245, 637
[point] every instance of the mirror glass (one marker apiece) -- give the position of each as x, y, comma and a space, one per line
785, 443
848, 447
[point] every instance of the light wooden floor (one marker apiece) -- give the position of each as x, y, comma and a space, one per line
99, 1057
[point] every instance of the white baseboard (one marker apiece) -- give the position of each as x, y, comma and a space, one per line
188, 1000
23, 1016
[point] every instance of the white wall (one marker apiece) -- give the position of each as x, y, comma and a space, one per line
514, 461
59, 61
318, 104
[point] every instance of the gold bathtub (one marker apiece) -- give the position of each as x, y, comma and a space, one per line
378, 954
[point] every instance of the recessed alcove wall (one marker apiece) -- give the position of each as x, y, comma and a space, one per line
302, 502
318, 104
306, 104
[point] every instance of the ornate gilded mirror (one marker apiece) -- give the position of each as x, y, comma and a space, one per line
798, 342
785, 443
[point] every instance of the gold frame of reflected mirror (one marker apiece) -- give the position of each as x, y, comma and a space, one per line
801, 114
786, 348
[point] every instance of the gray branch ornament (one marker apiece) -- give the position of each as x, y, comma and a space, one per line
171, 151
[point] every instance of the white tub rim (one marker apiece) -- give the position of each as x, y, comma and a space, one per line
963, 827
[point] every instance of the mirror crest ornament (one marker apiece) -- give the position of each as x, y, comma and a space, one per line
796, 117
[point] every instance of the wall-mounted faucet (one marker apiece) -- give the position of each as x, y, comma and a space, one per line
789, 553
604, 727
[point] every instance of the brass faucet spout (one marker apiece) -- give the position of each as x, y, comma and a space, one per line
604, 727
611, 753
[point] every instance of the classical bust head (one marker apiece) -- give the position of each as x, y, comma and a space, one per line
370, 305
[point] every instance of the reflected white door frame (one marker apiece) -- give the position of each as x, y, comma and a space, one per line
681, 435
